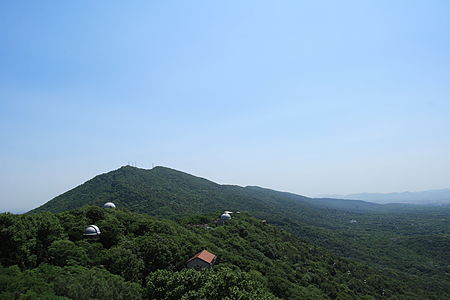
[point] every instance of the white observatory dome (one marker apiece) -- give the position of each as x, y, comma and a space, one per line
91, 230
109, 205
225, 216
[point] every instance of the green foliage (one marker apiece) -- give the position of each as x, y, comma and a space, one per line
25, 239
387, 236
141, 256
408, 241
122, 261
65, 252
51, 282
223, 283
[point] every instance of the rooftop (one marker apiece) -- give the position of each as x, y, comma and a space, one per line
205, 256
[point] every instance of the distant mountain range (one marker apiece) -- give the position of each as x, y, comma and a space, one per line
430, 197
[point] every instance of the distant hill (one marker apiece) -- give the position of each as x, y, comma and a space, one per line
430, 197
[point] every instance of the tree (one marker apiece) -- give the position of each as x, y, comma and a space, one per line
65, 252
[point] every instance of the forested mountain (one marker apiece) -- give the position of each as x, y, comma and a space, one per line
44, 256
166, 192
409, 240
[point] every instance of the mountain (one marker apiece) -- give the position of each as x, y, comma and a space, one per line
141, 257
430, 197
166, 192
406, 239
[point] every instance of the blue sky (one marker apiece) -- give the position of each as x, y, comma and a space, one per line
312, 97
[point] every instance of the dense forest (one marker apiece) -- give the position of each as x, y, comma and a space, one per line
44, 256
409, 240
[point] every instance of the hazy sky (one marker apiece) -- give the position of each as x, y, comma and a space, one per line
312, 97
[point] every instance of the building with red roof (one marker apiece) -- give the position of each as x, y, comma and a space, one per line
203, 259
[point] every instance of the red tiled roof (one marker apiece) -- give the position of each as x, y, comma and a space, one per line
205, 256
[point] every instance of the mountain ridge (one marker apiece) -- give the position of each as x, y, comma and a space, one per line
430, 197
130, 185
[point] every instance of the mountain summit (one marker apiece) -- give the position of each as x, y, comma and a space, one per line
156, 191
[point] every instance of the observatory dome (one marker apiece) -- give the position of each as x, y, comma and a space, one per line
109, 205
225, 216
91, 230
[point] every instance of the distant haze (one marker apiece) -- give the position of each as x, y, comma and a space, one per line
422, 197
310, 97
